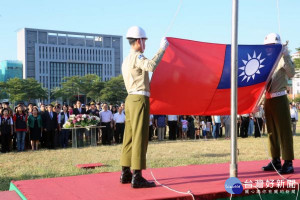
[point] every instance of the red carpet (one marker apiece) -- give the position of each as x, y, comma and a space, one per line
9, 195
205, 182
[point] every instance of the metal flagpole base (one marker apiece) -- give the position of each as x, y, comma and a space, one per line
233, 170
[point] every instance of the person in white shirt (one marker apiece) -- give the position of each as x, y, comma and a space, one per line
106, 119
119, 125
123, 107
294, 117
172, 123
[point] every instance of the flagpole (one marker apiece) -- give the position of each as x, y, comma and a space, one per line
234, 70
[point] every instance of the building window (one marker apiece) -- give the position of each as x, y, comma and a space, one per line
46, 52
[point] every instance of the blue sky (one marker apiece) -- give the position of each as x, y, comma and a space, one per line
208, 21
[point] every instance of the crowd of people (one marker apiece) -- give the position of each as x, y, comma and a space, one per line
33, 127
196, 127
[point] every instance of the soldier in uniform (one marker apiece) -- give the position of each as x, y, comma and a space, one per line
277, 112
135, 70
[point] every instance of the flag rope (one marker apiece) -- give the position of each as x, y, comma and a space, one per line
278, 16
189, 192
173, 19
165, 34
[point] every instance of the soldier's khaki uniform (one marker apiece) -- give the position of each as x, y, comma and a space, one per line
135, 70
277, 112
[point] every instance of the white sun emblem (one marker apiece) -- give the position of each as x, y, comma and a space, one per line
251, 67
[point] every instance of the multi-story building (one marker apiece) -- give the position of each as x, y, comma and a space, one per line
296, 84
296, 55
49, 56
10, 69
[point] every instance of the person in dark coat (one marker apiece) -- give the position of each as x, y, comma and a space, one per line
79, 110
43, 140
191, 127
6, 130
50, 125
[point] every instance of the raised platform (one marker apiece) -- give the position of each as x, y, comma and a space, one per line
204, 181
9, 195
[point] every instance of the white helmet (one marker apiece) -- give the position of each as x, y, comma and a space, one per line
272, 38
136, 32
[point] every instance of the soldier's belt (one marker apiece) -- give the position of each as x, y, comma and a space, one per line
145, 93
275, 94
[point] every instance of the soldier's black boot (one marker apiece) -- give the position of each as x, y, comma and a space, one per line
276, 162
139, 182
126, 175
287, 167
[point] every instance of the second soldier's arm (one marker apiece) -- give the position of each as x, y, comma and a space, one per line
289, 66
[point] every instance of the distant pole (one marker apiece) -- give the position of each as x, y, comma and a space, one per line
234, 71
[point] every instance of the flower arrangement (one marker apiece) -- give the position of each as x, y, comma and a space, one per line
81, 120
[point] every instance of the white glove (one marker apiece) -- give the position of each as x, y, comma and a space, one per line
285, 50
164, 43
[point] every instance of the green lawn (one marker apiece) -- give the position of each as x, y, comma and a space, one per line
55, 163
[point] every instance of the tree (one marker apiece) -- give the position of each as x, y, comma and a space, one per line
114, 90
59, 92
96, 88
3, 95
15, 89
87, 85
297, 60
297, 63
24, 89
297, 99
70, 87
91, 86
34, 89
